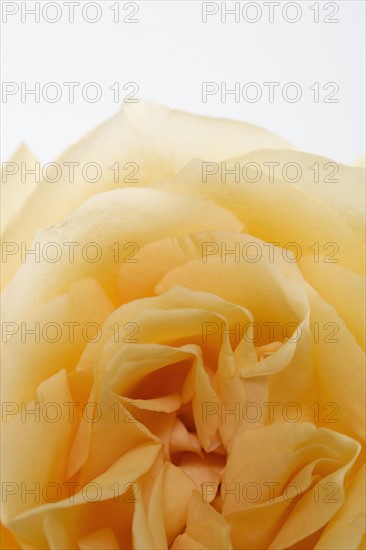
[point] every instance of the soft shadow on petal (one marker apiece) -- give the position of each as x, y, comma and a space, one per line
122, 216
277, 211
327, 279
99, 540
346, 529
339, 365
296, 492
205, 526
107, 502
44, 443
31, 355
143, 134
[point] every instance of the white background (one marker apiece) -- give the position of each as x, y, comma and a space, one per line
170, 52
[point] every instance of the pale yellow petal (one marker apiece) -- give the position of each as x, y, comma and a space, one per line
257, 500
277, 211
335, 185
146, 135
339, 364
46, 443
108, 502
328, 279
346, 529
14, 191
57, 341
136, 216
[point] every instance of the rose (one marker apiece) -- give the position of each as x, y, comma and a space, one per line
209, 394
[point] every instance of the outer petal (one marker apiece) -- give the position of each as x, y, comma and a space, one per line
123, 216
15, 192
257, 500
61, 524
328, 279
277, 211
334, 185
346, 529
27, 358
146, 135
34, 433
340, 370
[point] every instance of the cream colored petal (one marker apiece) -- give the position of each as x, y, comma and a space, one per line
174, 316
140, 360
134, 362
144, 134
61, 524
327, 279
114, 434
179, 252
272, 298
346, 529
232, 395
125, 470
81, 521
275, 211
14, 191
57, 343
133, 216
360, 161
137, 280
314, 460
330, 183
204, 393
250, 285
45, 444
339, 368
253, 393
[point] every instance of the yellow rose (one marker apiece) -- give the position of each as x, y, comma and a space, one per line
182, 361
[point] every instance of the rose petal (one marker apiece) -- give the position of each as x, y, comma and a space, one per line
346, 529
46, 443
137, 280
144, 134
340, 370
14, 191
206, 526
278, 519
277, 211
27, 359
99, 540
112, 506
134, 216
327, 278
